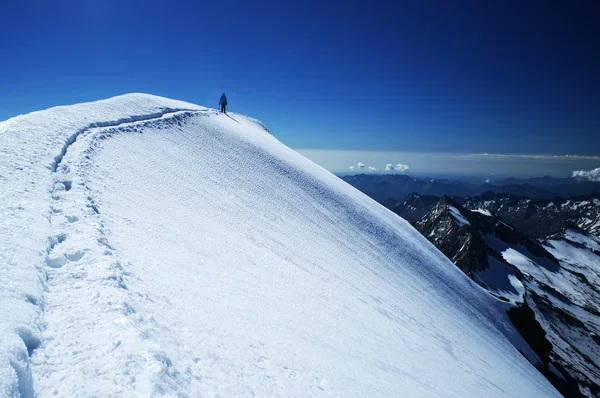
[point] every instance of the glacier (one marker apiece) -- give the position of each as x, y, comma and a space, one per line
152, 247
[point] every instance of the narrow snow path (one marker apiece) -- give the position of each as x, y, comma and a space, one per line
88, 313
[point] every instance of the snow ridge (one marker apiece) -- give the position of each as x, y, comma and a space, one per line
193, 254
115, 123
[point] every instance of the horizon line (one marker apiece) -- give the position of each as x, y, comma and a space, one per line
465, 154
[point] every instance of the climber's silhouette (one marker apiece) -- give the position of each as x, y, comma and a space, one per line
223, 103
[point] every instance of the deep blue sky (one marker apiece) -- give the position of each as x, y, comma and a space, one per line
428, 76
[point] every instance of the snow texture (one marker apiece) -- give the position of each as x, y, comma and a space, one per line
458, 217
589, 241
499, 279
483, 211
151, 247
565, 298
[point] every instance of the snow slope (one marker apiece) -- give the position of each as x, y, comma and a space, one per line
154, 247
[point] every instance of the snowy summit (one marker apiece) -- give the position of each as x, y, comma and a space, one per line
154, 247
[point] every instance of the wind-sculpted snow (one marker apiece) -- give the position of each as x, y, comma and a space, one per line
193, 254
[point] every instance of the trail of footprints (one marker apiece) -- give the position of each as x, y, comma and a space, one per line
59, 254
68, 243
64, 214
83, 270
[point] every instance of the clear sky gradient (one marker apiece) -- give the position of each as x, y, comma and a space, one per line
517, 77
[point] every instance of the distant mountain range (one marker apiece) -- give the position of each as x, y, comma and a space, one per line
539, 218
394, 186
550, 288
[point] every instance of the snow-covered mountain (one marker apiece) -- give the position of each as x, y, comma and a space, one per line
155, 247
552, 286
539, 218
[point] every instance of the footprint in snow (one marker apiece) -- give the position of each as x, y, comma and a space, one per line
54, 260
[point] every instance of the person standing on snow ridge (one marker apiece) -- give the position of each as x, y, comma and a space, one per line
223, 103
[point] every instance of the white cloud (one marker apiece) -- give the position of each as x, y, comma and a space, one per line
402, 167
361, 165
351, 168
426, 164
592, 175
372, 169
389, 167
532, 157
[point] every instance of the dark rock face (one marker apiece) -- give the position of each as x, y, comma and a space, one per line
524, 320
552, 286
466, 245
458, 242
